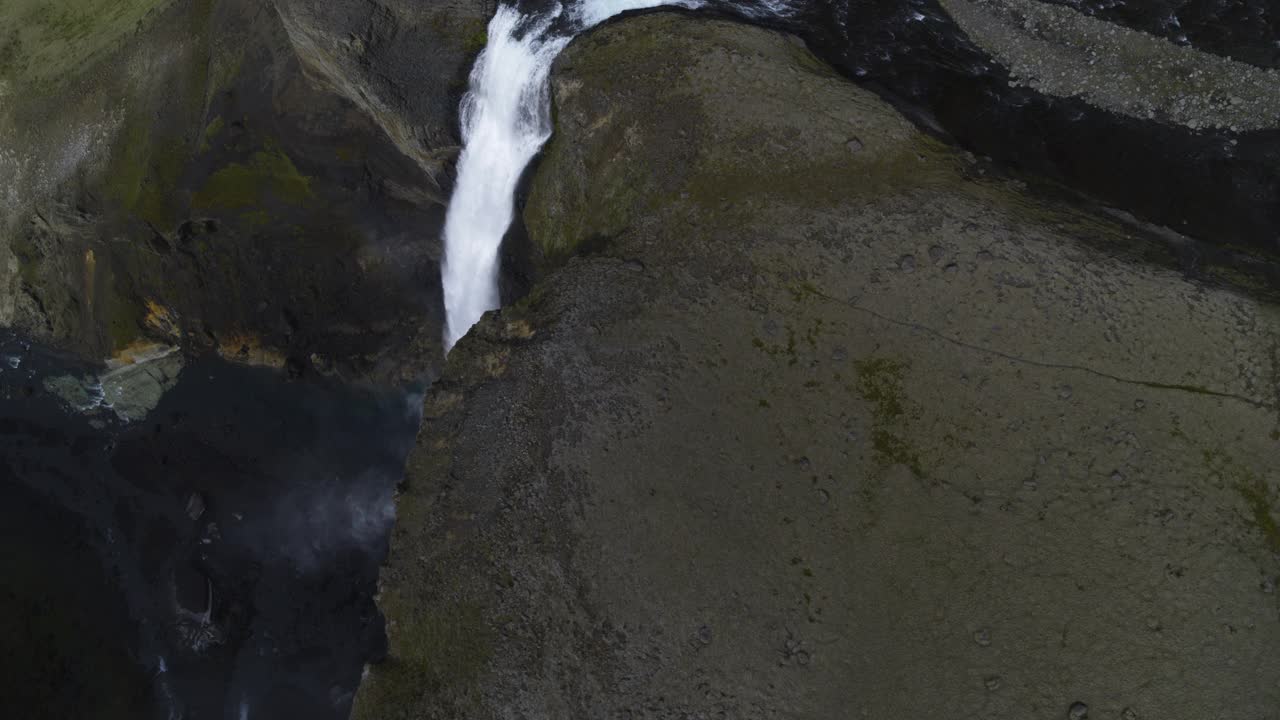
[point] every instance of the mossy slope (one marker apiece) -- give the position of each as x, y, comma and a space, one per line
810, 416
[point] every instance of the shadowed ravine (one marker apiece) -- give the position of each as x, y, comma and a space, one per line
236, 529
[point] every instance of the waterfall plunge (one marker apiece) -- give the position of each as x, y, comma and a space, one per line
506, 118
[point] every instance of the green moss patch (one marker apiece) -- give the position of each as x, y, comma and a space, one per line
1263, 503
433, 650
1262, 506
268, 175
445, 647
476, 38
44, 41
880, 382
211, 132
146, 166
819, 184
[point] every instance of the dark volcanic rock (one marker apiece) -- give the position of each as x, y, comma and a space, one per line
959, 62
730, 459
270, 182
1246, 30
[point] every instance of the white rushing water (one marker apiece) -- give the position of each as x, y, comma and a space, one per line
505, 119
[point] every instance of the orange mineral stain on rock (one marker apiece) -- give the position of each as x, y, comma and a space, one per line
162, 321
519, 330
249, 350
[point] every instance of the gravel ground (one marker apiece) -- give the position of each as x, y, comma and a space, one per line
1062, 52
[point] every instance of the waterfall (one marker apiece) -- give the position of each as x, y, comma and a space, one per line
506, 118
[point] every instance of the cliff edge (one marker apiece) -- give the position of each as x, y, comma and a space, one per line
811, 416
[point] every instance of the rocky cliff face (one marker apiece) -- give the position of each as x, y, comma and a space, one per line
813, 416
260, 180
268, 179
263, 179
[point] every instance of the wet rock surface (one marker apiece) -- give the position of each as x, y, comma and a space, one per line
787, 430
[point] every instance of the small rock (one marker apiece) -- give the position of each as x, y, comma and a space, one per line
951, 268
936, 253
1268, 585
1077, 711
1139, 404
1117, 476
907, 263
824, 497
1128, 714
704, 635
195, 506
1064, 392
984, 256
1153, 624
855, 145
802, 657
633, 266
992, 683
982, 636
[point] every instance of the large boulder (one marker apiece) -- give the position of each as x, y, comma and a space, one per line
812, 416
